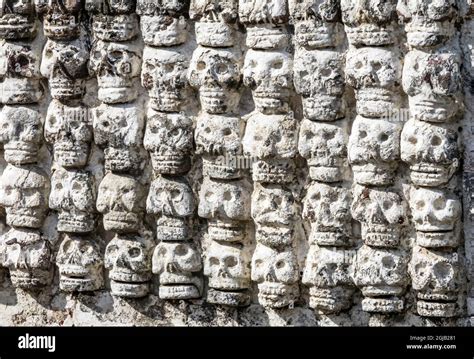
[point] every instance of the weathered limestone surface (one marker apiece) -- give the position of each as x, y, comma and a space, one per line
237, 162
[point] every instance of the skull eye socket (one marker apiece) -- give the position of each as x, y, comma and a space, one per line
280, 264
176, 194
115, 56
316, 196
436, 141
134, 252
226, 131
58, 186
5, 125
277, 201
420, 204
105, 123
329, 135
181, 250
412, 140
209, 196
168, 67
201, 65
258, 263
162, 252
325, 72
387, 205
230, 261
439, 203
227, 196
304, 73
222, 69
358, 65
362, 134
278, 64
383, 137
214, 261
76, 186
149, 66
388, 262
377, 66
442, 270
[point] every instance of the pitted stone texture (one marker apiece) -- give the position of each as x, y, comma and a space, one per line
17, 20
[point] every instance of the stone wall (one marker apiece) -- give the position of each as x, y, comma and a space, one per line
232, 162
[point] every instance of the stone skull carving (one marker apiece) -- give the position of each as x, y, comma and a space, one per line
432, 152
327, 273
117, 66
68, 130
214, 21
17, 20
163, 22
381, 274
273, 141
374, 150
164, 76
375, 74
217, 74
226, 206
219, 138
24, 193
80, 264
64, 64
118, 129
227, 267
433, 83
21, 131
113, 20
319, 78
269, 74
177, 265
264, 23
28, 258
121, 200
169, 140
171, 200
327, 208
436, 278
61, 19
382, 213
274, 212
20, 72
436, 214
369, 22
317, 22
73, 197
128, 258
277, 275
428, 24
324, 146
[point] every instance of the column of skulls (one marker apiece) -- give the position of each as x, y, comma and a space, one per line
270, 140
118, 125
374, 69
24, 186
169, 141
224, 197
324, 132
431, 148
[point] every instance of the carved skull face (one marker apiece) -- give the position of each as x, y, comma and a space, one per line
327, 273
121, 199
273, 140
178, 266
382, 213
117, 66
129, 261
436, 278
21, 132
28, 257
277, 275
61, 19
119, 130
216, 73
164, 76
169, 140
274, 211
316, 22
428, 23
80, 264
24, 193
171, 200
381, 274
214, 21
324, 147
431, 150
227, 266
433, 83
375, 74
163, 22
374, 149
20, 72
17, 20
67, 128
216, 137
73, 196
328, 210
436, 214
269, 75
64, 64
369, 22
226, 205
319, 78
